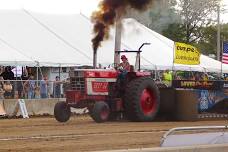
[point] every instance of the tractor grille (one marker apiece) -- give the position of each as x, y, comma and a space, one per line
77, 80
78, 84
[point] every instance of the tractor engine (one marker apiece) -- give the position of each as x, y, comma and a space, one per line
89, 84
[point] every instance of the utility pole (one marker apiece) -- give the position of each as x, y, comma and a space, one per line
218, 35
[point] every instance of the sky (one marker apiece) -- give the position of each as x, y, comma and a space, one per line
66, 6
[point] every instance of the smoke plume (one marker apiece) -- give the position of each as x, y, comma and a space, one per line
106, 16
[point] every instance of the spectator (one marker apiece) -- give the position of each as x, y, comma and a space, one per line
43, 87
205, 77
167, 77
19, 88
177, 76
1, 70
57, 87
1, 81
37, 92
7, 74
192, 76
8, 90
197, 76
1, 92
66, 86
30, 86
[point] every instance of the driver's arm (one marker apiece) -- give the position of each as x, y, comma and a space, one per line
127, 67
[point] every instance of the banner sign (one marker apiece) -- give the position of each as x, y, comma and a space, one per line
186, 54
207, 99
191, 84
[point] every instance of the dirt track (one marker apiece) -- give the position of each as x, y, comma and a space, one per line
83, 134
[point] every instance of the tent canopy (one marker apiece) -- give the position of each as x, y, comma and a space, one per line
65, 40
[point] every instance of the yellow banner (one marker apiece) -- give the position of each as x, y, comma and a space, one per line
186, 54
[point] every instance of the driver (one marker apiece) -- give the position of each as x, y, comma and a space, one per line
124, 68
124, 65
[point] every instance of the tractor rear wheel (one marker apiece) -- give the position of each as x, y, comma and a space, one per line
141, 99
62, 112
100, 112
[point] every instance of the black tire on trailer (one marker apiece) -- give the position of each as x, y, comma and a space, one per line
142, 99
62, 112
100, 112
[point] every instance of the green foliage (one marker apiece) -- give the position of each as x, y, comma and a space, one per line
197, 14
207, 43
175, 32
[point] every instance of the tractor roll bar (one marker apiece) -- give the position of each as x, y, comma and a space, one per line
135, 51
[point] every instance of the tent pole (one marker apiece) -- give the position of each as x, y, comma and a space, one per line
37, 73
174, 48
37, 77
15, 83
59, 71
40, 72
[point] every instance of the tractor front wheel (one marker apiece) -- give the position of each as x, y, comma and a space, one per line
62, 112
100, 112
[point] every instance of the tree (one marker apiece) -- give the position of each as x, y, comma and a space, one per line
163, 14
175, 32
208, 42
159, 16
195, 15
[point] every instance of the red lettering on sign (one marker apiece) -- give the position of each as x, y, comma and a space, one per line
100, 86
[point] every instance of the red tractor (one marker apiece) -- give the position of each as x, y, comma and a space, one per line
136, 99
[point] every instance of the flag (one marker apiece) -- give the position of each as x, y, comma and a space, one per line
225, 53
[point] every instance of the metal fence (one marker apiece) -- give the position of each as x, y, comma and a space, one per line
32, 89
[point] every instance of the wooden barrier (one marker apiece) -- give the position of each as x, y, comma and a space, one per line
179, 104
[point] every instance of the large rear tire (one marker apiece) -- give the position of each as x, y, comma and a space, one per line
62, 112
100, 112
141, 99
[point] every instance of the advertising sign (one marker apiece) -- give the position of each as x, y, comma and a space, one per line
191, 84
186, 54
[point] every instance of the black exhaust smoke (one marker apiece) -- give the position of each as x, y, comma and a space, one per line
106, 16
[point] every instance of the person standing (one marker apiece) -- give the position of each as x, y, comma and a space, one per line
30, 83
57, 87
2, 92
43, 87
8, 89
8, 74
66, 86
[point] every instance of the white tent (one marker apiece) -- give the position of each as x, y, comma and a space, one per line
21, 31
65, 40
159, 55
11, 57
